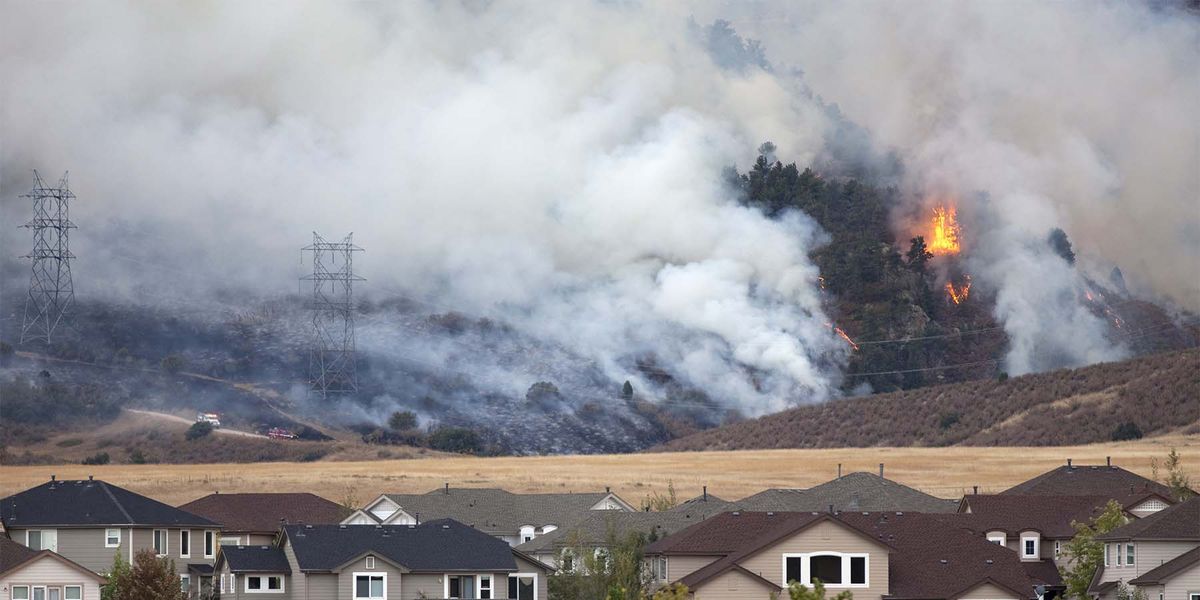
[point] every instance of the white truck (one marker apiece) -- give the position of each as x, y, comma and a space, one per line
211, 418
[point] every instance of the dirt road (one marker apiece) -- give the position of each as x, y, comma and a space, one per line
179, 419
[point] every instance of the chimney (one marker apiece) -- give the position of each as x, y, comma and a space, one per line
90, 478
881, 469
839, 470
607, 490
975, 490
52, 476
1108, 460
706, 493
447, 488
1069, 464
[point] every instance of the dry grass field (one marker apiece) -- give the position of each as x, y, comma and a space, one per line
943, 471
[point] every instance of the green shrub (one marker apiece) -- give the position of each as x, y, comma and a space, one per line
198, 430
100, 458
69, 442
456, 439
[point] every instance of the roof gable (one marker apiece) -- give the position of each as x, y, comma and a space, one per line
1165, 572
1178, 522
1050, 516
90, 503
14, 556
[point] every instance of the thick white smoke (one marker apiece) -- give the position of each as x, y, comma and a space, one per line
557, 166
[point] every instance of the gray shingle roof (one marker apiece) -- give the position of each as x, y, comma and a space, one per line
1090, 480
13, 554
594, 530
434, 546
1178, 522
498, 511
255, 559
854, 492
88, 503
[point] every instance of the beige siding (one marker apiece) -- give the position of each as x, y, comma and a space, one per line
988, 591
416, 584
1182, 584
732, 585
322, 586
679, 567
345, 578
525, 566
825, 536
49, 572
1147, 556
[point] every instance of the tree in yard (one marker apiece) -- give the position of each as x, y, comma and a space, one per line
117, 585
150, 578
657, 502
1124, 592
402, 420
198, 430
672, 592
611, 571
1084, 554
1177, 479
799, 591
918, 254
1061, 245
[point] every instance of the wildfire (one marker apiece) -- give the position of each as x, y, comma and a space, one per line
946, 231
846, 337
959, 294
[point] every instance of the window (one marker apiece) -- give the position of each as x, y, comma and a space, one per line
369, 586
20, 592
73, 592
485, 587
1057, 549
370, 562
42, 539
1120, 556
185, 543
601, 555
997, 537
209, 547
231, 541
160, 542
1107, 554
1129, 554
660, 568
526, 533
112, 538
567, 562
264, 584
834, 569
522, 586
1029, 545
184, 582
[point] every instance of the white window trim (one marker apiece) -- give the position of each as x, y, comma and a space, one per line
1130, 561
1037, 545
68, 587
491, 579
264, 580
185, 582
477, 578
806, 573
370, 562
354, 583
237, 540
107, 531
188, 533
23, 587
166, 540
998, 537
535, 582
210, 542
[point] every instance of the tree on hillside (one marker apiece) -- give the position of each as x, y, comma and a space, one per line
1061, 245
1084, 554
918, 254
1177, 479
198, 430
402, 420
150, 578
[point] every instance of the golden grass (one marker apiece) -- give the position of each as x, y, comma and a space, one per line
945, 472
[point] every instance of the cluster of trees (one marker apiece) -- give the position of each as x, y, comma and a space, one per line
149, 577
877, 287
35, 403
402, 429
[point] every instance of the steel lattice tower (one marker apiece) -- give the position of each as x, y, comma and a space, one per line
50, 290
332, 360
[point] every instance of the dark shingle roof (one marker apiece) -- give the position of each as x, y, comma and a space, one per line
1050, 516
1178, 522
928, 559
594, 530
13, 554
1090, 480
443, 545
854, 492
263, 513
255, 559
88, 503
1169, 569
498, 511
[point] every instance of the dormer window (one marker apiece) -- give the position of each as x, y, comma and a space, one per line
527, 533
1031, 546
997, 537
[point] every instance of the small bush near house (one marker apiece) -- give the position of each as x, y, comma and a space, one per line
456, 439
1127, 431
100, 458
198, 430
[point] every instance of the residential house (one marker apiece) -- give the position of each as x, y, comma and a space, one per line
27, 574
1158, 555
1036, 528
1138, 495
859, 491
90, 521
874, 555
515, 518
436, 559
254, 519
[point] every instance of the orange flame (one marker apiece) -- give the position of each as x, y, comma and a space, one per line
946, 231
959, 294
846, 337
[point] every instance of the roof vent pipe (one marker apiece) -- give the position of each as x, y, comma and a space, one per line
52, 476
706, 493
975, 490
1108, 460
839, 470
1068, 463
607, 490
90, 477
447, 488
881, 469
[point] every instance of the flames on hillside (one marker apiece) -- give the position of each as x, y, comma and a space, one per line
959, 294
944, 232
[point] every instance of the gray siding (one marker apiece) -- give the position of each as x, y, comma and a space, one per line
345, 578
322, 586
86, 546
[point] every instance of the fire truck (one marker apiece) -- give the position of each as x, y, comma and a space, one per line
212, 418
279, 433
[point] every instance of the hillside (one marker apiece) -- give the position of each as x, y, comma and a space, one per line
1158, 394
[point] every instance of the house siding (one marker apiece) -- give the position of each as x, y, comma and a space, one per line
300, 581
416, 584
824, 536
988, 591
732, 585
1182, 584
524, 566
345, 578
679, 566
48, 571
1148, 556
86, 546
323, 586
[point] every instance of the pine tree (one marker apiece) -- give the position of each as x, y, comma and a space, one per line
1084, 554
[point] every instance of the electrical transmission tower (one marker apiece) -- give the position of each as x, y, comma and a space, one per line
332, 364
50, 291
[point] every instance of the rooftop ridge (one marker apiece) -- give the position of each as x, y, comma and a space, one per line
117, 503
